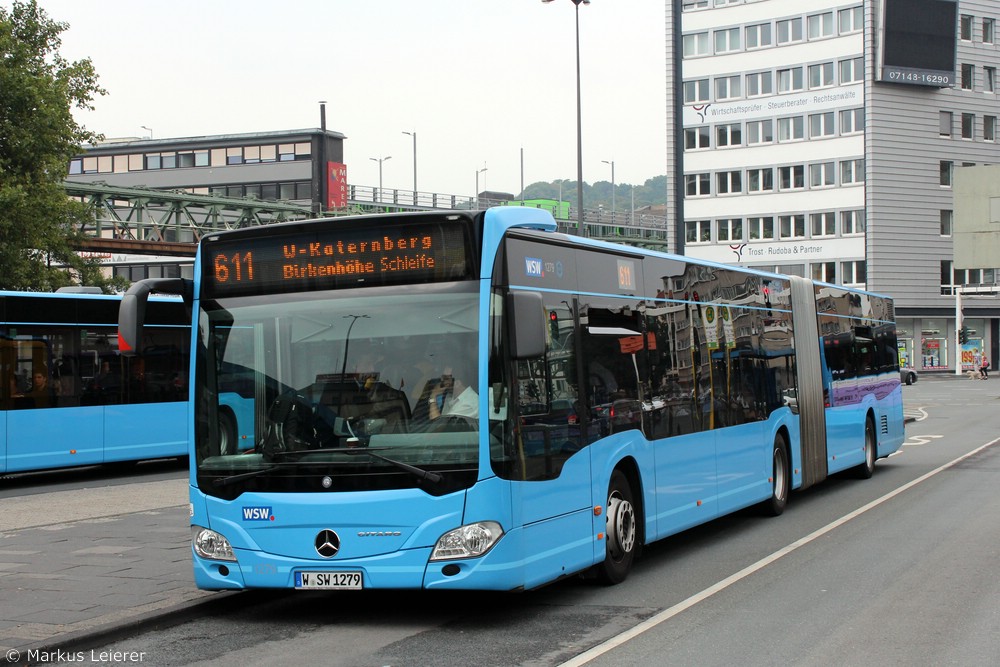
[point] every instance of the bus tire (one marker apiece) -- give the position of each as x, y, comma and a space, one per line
621, 534
867, 469
781, 479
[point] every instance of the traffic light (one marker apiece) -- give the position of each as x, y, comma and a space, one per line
553, 325
963, 335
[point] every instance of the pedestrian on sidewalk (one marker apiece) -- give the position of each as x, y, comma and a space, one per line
984, 368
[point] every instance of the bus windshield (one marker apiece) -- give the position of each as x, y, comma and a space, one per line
360, 389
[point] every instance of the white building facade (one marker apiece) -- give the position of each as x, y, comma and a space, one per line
806, 153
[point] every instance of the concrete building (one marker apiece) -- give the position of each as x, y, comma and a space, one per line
298, 166
822, 139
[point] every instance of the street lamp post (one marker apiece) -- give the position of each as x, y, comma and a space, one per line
580, 229
380, 160
414, 135
612, 163
478, 171
149, 129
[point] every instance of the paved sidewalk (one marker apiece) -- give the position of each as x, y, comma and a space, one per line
73, 563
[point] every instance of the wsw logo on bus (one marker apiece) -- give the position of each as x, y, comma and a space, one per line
257, 514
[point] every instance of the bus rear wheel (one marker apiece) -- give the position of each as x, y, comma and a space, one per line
867, 469
781, 479
621, 533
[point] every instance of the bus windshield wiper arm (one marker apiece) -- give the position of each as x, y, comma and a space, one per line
419, 472
226, 481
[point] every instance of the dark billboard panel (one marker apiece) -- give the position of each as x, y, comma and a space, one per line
918, 42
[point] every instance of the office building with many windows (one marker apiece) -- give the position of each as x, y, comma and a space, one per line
822, 139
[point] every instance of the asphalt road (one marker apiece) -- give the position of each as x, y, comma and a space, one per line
896, 570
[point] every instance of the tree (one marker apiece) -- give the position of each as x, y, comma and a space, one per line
38, 136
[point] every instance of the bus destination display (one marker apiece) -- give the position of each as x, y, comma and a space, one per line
335, 258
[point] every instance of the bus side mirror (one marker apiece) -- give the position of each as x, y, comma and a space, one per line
132, 311
526, 319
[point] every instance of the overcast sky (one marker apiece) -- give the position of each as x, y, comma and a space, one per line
478, 80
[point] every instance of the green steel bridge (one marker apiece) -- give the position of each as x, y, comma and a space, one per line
147, 221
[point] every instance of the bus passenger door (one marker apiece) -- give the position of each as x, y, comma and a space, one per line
552, 490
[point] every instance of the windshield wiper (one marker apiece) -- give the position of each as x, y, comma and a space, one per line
226, 481
420, 473
433, 477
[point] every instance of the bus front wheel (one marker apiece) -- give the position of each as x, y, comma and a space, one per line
621, 531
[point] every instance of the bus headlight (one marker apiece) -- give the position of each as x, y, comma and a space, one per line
210, 544
468, 541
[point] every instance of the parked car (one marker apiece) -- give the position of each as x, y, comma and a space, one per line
907, 375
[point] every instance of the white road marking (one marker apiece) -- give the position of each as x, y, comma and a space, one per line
720, 586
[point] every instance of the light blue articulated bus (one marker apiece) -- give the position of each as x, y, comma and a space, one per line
472, 400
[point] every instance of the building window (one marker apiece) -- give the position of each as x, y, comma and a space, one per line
965, 27
968, 73
790, 80
822, 175
853, 273
76, 166
696, 44
989, 79
758, 35
760, 229
727, 40
185, 160
825, 271
852, 121
989, 29
989, 128
691, 5
968, 126
821, 75
947, 218
820, 25
791, 177
852, 171
696, 137
821, 125
946, 168
823, 224
760, 132
697, 231
791, 128
727, 87
153, 161
234, 155
698, 184
947, 286
852, 223
759, 83
729, 182
696, 91
851, 20
728, 135
729, 229
789, 30
852, 70
791, 226
136, 162
945, 121
760, 180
